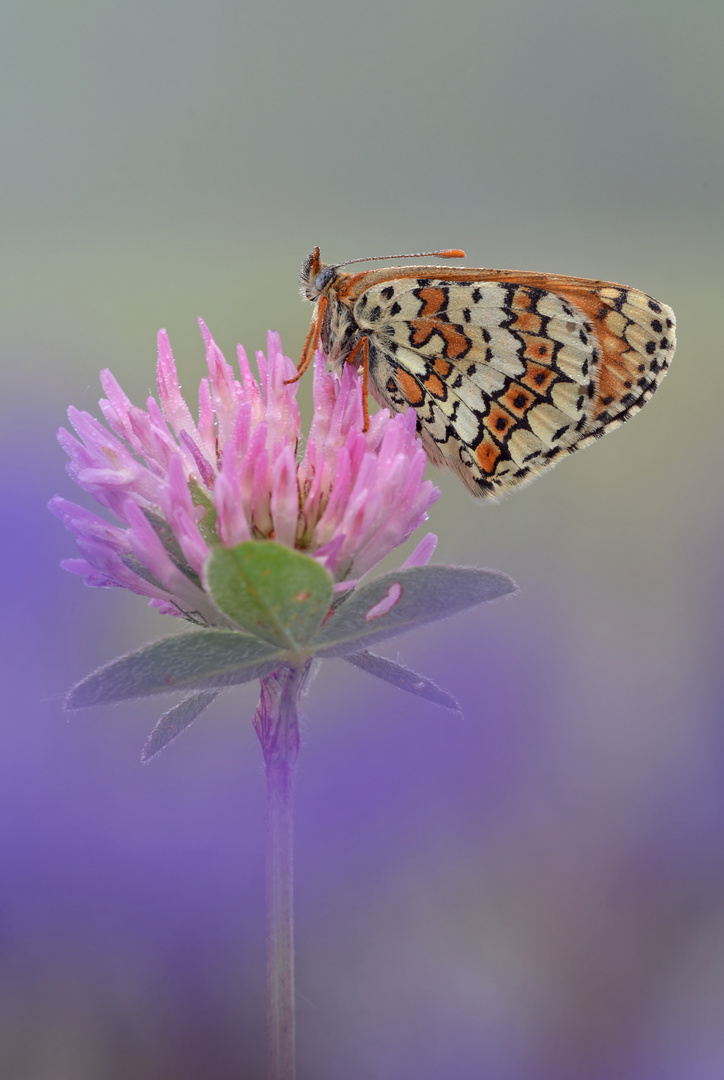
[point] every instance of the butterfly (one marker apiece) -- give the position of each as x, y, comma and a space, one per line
507, 371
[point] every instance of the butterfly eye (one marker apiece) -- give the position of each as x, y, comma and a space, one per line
324, 277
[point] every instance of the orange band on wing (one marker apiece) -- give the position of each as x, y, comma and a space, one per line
409, 387
487, 455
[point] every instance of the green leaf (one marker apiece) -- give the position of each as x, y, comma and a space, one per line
275, 593
199, 659
398, 602
402, 677
207, 524
175, 721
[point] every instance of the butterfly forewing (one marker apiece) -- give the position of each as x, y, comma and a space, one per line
506, 371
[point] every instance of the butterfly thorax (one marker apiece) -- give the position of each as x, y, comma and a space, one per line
339, 332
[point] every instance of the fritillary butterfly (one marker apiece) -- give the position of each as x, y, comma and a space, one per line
507, 372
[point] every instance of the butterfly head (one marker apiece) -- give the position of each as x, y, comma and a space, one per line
315, 276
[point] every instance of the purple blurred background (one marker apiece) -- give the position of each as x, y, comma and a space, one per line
532, 892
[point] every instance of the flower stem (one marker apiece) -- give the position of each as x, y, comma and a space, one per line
277, 724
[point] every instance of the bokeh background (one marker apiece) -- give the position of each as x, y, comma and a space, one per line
536, 891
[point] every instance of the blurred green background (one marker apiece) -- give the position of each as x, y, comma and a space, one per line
534, 893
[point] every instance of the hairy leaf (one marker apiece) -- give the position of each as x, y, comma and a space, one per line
273, 592
176, 720
200, 659
400, 601
402, 677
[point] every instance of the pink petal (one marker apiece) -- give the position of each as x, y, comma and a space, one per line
422, 553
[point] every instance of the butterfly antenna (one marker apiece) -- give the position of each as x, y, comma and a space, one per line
448, 253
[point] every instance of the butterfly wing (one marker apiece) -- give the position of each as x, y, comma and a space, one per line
509, 372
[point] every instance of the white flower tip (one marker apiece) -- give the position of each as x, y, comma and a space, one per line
422, 553
273, 342
205, 332
349, 377
166, 363
410, 420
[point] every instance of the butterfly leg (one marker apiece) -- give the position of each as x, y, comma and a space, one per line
312, 340
363, 347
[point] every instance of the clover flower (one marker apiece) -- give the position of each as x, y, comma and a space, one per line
180, 487
224, 522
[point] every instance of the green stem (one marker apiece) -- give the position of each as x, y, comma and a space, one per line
277, 724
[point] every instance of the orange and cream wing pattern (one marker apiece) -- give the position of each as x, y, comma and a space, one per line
507, 372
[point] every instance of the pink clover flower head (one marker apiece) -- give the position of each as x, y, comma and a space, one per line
179, 486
